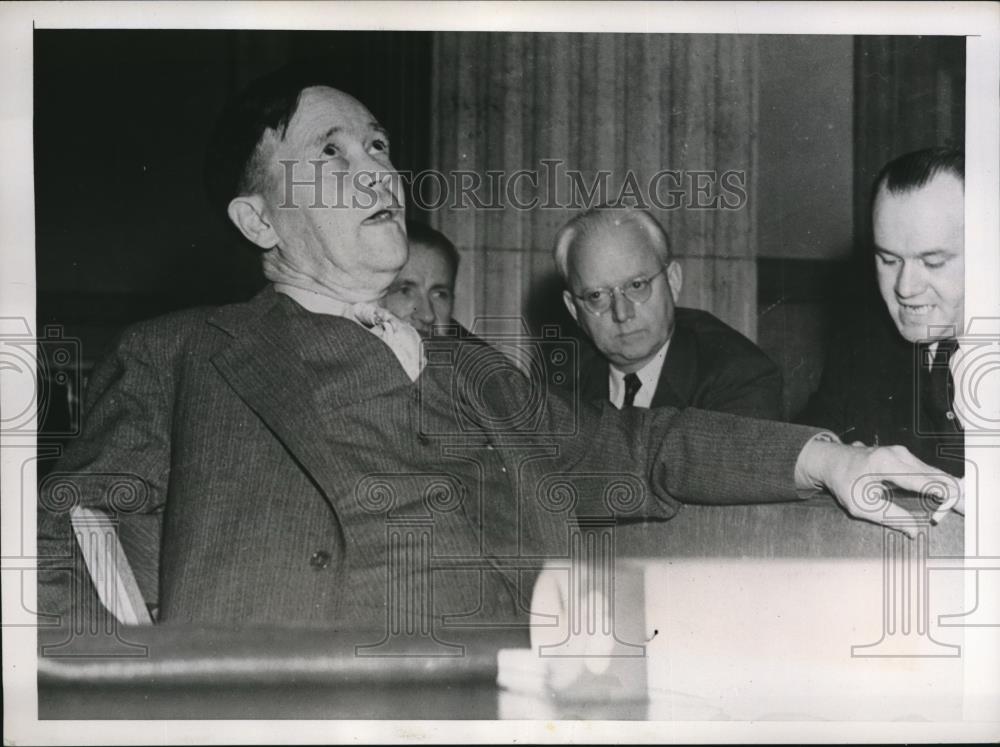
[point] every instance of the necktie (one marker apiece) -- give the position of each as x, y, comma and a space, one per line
940, 390
402, 339
632, 386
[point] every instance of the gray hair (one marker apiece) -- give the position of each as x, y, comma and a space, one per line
606, 216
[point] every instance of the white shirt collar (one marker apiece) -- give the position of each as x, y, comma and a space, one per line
649, 375
401, 338
316, 302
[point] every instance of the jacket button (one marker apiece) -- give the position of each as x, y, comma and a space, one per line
320, 559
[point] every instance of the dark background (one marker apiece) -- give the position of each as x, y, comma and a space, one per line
122, 122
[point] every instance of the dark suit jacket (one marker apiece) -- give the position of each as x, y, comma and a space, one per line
869, 393
226, 422
709, 365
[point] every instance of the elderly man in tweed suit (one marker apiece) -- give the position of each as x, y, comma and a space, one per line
283, 439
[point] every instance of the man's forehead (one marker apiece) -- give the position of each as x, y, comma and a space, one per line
418, 246
324, 111
941, 198
610, 243
925, 221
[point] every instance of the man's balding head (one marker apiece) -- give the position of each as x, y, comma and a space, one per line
606, 217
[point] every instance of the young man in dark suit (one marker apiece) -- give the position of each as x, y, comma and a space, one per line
888, 377
309, 462
622, 289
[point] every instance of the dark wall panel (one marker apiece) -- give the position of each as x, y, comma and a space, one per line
122, 121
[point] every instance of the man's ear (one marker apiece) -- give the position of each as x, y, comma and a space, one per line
247, 214
570, 306
675, 278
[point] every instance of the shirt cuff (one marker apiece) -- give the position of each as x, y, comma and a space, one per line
806, 486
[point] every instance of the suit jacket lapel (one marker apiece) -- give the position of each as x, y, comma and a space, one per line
679, 375
265, 367
594, 380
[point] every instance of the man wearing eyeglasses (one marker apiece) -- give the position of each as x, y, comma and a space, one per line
622, 287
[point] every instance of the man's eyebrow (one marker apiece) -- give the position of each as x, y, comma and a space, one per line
328, 134
337, 129
928, 253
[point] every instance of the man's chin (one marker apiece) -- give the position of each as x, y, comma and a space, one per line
631, 361
390, 254
932, 328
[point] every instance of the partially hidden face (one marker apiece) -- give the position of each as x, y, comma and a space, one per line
628, 334
423, 291
920, 257
344, 222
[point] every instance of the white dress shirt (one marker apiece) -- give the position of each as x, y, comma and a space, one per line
649, 375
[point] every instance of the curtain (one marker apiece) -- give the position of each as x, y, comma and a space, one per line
570, 106
910, 93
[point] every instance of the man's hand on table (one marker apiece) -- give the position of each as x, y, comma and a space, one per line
856, 475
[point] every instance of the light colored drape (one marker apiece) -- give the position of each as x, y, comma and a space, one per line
621, 102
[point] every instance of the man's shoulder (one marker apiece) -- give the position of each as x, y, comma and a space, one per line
702, 322
866, 389
174, 329
869, 343
714, 338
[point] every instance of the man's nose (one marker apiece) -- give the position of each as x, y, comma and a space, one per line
621, 308
375, 174
910, 281
422, 311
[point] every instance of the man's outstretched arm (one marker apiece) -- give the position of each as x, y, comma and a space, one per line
700, 457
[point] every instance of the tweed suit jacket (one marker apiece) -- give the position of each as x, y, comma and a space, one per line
238, 426
709, 365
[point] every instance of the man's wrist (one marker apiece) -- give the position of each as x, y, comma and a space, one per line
809, 473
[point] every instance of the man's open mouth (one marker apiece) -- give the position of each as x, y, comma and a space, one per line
380, 216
